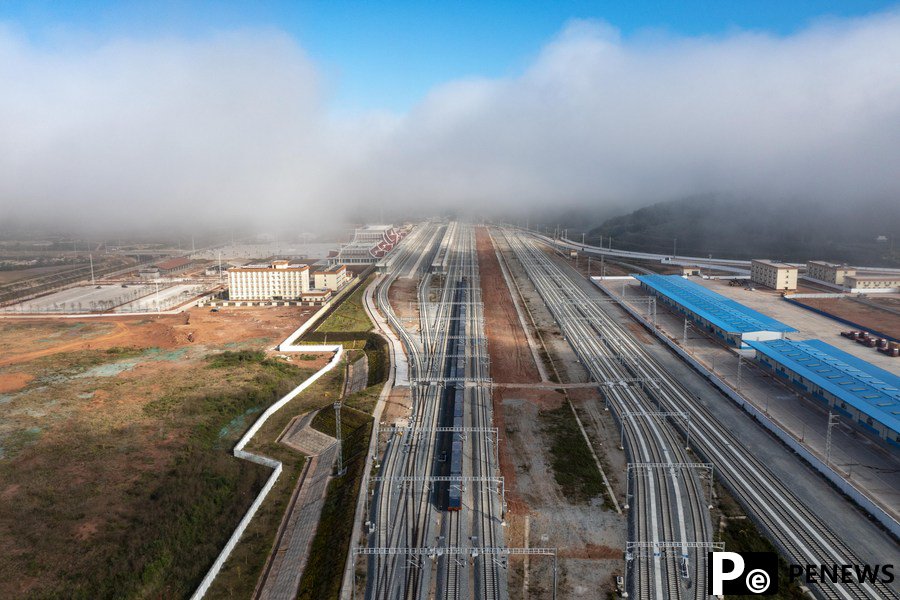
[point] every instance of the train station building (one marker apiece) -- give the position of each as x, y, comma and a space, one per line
731, 322
851, 387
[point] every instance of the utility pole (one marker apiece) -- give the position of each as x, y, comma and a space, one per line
93, 281
684, 335
832, 421
337, 434
740, 363
157, 299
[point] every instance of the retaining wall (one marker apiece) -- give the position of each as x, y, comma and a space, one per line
239, 452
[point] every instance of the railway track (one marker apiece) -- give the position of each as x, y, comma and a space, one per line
407, 518
668, 504
801, 535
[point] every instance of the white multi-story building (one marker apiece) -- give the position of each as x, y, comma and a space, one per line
829, 272
776, 275
331, 279
277, 281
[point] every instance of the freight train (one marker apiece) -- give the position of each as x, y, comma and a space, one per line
455, 391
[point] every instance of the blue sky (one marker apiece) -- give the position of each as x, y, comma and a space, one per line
389, 54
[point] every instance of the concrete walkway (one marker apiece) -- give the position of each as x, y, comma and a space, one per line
288, 560
304, 439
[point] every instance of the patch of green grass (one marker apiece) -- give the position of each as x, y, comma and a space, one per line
570, 458
67, 364
241, 572
371, 343
231, 359
364, 400
16, 441
170, 522
349, 316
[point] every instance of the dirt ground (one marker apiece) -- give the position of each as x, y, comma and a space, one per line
20, 274
397, 406
866, 315
511, 358
24, 340
75, 396
589, 538
403, 297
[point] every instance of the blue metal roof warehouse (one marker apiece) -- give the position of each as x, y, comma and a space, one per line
850, 385
727, 318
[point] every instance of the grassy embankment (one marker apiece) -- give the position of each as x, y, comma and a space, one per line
348, 325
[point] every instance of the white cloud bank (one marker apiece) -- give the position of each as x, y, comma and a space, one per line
236, 127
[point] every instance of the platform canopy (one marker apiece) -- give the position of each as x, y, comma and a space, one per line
867, 388
726, 314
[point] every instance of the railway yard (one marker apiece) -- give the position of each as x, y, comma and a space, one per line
504, 348
535, 438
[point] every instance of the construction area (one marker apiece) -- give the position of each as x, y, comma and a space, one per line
875, 313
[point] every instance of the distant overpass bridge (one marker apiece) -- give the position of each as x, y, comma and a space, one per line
724, 264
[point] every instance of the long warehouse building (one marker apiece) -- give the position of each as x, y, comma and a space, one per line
848, 385
730, 321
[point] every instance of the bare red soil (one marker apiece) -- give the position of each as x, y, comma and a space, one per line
511, 358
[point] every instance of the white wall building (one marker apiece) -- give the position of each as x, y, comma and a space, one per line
277, 281
828, 272
886, 283
776, 275
331, 279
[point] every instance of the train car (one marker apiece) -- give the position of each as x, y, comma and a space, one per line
454, 497
456, 368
